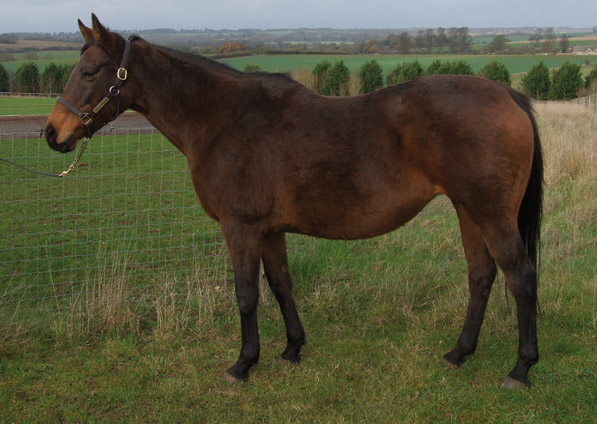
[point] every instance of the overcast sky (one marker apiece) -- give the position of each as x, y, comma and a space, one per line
61, 15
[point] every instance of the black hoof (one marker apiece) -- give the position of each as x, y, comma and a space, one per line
230, 379
512, 383
289, 362
449, 364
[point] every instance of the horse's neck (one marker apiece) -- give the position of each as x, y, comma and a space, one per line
177, 93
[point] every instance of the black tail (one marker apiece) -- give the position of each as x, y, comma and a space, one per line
531, 209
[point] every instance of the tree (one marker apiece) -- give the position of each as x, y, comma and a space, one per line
336, 79
320, 71
54, 78
249, 67
405, 72
4, 80
498, 44
391, 41
404, 43
232, 47
496, 71
51, 79
592, 76
441, 39
536, 36
459, 39
459, 67
371, 74
371, 46
28, 78
550, 38
420, 40
566, 81
430, 39
536, 82
564, 43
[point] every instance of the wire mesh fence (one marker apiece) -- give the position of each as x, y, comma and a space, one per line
129, 204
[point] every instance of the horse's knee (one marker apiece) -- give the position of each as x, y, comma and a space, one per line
247, 299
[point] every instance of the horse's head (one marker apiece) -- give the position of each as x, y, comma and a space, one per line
92, 95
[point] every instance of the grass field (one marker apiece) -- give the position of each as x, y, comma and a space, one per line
26, 105
379, 313
514, 63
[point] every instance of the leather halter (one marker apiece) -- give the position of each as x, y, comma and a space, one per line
113, 92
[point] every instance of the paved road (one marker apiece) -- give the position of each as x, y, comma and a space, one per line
26, 124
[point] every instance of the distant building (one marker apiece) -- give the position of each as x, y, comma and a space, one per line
584, 50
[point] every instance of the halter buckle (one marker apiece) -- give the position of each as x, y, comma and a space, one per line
122, 74
86, 119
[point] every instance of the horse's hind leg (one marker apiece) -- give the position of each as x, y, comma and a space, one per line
508, 250
481, 274
275, 263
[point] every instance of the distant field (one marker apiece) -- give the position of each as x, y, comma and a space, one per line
37, 44
59, 57
515, 63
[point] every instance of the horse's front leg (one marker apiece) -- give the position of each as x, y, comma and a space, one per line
244, 246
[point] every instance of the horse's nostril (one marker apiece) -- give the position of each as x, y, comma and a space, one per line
51, 134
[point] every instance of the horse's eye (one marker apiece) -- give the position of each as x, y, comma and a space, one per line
90, 74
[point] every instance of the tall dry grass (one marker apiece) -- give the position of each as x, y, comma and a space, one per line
353, 87
569, 135
167, 306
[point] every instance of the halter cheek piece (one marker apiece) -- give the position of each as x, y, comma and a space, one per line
113, 92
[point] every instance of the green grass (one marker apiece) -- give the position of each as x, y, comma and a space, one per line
379, 313
26, 105
286, 63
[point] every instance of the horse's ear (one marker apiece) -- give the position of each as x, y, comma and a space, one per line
100, 33
85, 31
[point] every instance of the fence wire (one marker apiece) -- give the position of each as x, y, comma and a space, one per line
130, 203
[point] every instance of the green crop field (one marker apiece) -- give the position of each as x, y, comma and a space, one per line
514, 63
117, 303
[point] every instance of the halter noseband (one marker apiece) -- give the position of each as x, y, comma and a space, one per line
113, 92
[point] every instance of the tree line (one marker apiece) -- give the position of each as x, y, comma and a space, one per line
540, 83
336, 79
455, 40
28, 79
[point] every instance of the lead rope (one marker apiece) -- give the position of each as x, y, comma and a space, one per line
63, 173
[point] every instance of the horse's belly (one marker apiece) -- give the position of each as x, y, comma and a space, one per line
337, 220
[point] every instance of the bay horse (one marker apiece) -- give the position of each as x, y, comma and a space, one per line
269, 156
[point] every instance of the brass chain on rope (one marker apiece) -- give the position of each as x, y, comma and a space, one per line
76, 159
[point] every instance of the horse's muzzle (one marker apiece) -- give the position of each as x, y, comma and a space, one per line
52, 139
